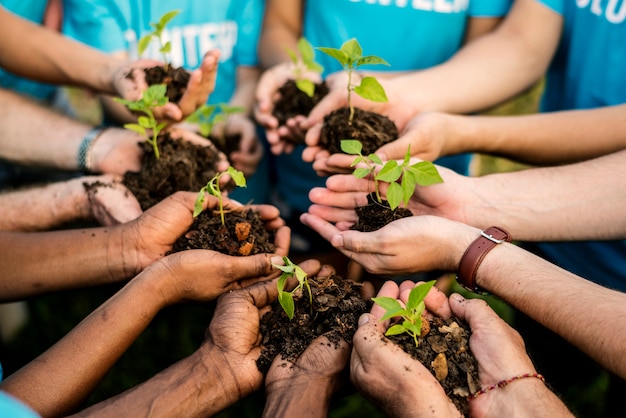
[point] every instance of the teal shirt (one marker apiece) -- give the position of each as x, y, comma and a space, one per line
589, 71
232, 26
410, 35
11, 407
32, 10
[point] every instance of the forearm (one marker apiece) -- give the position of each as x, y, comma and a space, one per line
282, 27
59, 380
35, 135
195, 385
542, 204
43, 262
543, 139
488, 70
59, 60
42, 208
247, 78
571, 306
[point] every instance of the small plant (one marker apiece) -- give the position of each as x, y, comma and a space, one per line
164, 48
411, 315
147, 125
207, 116
286, 298
304, 61
423, 173
350, 56
213, 188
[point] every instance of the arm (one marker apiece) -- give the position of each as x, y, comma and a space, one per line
52, 388
59, 60
567, 304
282, 27
538, 204
46, 207
539, 139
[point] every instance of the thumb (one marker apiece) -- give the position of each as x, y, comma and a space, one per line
356, 241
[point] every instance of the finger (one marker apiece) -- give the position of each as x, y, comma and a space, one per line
282, 240
334, 215
312, 136
394, 150
472, 311
389, 289
345, 200
325, 229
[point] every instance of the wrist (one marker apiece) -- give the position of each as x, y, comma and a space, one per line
289, 397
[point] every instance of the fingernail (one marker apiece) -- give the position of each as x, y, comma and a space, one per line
337, 240
457, 297
364, 319
277, 260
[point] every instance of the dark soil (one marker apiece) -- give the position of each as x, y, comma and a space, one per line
375, 215
445, 351
293, 101
373, 130
182, 166
176, 80
242, 234
226, 144
337, 306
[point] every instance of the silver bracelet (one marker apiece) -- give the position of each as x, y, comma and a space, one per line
86, 146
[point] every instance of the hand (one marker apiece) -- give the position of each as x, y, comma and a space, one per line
233, 336
388, 376
343, 193
384, 252
250, 152
430, 135
155, 232
201, 84
110, 202
280, 138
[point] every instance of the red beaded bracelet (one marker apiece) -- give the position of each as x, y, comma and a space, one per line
503, 383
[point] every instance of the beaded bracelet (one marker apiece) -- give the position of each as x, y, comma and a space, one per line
503, 383
83, 159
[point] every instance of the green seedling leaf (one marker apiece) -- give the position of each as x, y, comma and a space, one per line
352, 49
167, 17
425, 173
395, 195
143, 43
164, 47
286, 298
371, 89
213, 188
306, 86
390, 172
351, 146
306, 50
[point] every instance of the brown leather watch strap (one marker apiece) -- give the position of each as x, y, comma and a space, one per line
473, 256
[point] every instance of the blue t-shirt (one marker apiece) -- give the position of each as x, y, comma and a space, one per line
11, 407
409, 35
589, 71
33, 11
232, 26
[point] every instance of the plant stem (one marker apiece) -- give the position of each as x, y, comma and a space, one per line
350, 96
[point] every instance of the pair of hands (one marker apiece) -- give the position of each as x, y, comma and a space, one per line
430, 135
402, 386
149, 237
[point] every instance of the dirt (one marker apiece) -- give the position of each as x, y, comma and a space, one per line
372, 129
293, 101
227, 144
337, 306
242, 234
376, 214
445, 352
176, 80
182, 166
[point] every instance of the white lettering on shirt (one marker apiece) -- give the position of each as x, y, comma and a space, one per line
439, 6
615, 11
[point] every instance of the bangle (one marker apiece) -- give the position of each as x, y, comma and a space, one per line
473, 256
503, 383
86, 146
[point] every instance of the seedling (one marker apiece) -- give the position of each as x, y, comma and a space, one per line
207, 116
286, 298
423, 173
147, 125
411, 314
304, 61
213, 188
350, 56
164, 47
